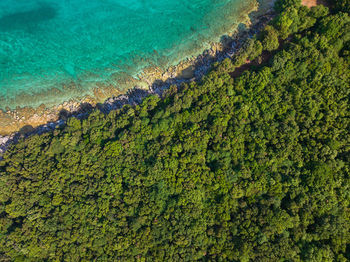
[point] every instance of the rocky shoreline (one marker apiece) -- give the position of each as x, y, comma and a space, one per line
194, 69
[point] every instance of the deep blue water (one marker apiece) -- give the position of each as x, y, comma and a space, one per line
51, 44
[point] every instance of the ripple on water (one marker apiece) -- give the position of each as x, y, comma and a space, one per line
74, 46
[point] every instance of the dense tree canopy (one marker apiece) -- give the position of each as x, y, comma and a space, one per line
341, 5
248, 168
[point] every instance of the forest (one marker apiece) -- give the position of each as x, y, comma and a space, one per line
253, 167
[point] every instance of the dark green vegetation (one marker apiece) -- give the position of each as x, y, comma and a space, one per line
251, 168
341, 5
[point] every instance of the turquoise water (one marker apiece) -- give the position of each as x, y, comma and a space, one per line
51, 51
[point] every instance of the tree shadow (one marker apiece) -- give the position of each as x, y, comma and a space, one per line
132, 97
28, 129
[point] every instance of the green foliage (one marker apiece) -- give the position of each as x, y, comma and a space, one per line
251, 50
252, 168
270, 38
281, 5
341, 5
295, 17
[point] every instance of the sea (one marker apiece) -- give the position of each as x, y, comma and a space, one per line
52, 51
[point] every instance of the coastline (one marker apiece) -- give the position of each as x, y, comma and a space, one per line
23, 122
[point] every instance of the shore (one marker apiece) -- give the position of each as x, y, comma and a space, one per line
24, 122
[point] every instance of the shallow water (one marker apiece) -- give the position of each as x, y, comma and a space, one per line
73, 45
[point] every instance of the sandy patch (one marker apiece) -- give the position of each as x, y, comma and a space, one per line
311, 3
